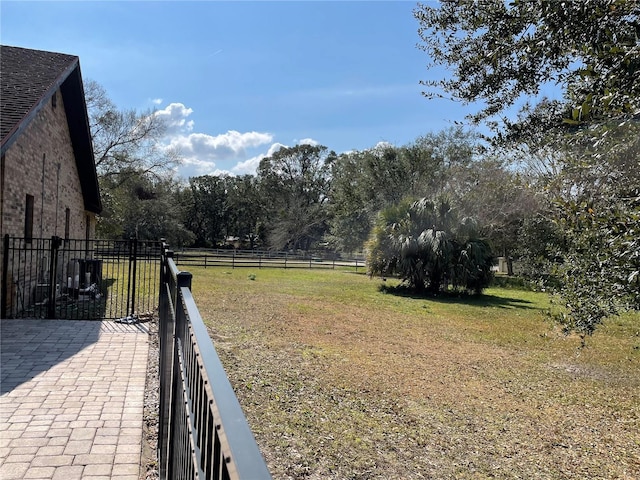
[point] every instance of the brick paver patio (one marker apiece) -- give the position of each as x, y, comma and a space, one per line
72, 398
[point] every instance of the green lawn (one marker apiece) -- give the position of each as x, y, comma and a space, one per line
342, 380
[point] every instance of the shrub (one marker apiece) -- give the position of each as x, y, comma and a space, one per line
428, 248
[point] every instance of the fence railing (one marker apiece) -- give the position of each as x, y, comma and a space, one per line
79, 279
262, 259
203, 432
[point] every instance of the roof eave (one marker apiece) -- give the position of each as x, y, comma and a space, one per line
35, 109
70, 84
80, 132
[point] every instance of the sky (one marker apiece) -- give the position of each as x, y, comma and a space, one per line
238, 80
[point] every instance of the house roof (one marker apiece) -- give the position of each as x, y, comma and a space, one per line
29, 79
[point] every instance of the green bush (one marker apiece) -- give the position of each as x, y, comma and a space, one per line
426, 246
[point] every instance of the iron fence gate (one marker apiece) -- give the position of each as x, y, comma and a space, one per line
79, 279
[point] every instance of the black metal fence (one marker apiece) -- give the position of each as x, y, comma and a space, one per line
202, 430
79, 279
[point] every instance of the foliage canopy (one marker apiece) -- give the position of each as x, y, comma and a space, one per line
499, 52
502, 52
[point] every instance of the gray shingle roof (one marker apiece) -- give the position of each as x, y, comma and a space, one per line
27, 76
28, 79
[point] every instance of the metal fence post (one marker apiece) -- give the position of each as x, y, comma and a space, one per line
5, 277
184, 280
133, 276
164, 248
53, 267
166, 331
126, 305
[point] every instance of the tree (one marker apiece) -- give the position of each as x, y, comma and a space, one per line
500, 53
365, 182
295, 185
125, 140
245, 210
351, 213
595, 205
129, 154
429, 248
206, 209
143, 206
604, 241
500, 200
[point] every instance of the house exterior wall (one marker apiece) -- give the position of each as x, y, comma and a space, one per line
41, 163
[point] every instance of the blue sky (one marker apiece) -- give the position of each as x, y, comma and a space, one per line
236, 80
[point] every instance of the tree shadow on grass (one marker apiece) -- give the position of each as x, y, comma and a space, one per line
459, 298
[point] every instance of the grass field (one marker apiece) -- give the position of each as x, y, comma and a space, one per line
339, 379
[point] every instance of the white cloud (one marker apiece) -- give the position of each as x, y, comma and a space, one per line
201, 167
201, 147
382, 145
308, 141
250, 166
156, 101
218, 173
201, 152
175, 116
274, 148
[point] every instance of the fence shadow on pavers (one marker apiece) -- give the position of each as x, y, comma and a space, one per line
29, 347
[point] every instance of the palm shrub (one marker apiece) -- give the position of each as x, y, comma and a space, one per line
425, 245
472, 269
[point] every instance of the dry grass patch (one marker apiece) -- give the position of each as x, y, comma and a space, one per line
341, 380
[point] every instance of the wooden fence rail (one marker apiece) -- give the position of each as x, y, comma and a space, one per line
262, 259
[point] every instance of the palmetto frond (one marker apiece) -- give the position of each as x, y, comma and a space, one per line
426, 247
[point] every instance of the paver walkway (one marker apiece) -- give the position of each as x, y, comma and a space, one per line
72, 399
